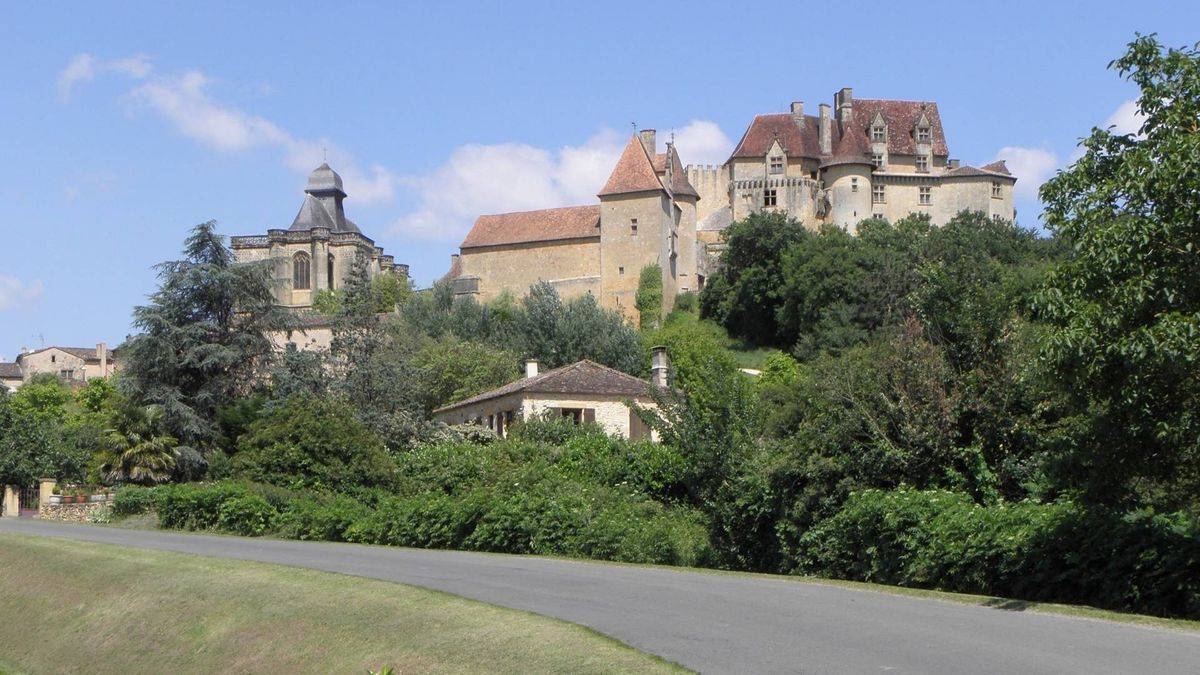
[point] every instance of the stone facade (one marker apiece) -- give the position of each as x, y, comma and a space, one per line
853, 160
317, 252
73, 365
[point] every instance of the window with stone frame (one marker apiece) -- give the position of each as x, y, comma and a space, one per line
776, 165
877, 160
925, 195
877, 194
923, 134
854, 184
996, 190
633, 227
923, 163
301, 272
329, 272
769, 197
878, 133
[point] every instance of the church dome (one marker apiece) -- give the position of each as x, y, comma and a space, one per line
324, 179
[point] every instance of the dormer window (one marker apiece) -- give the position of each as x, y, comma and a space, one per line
877, 160
878, 133
923, 134
776, 165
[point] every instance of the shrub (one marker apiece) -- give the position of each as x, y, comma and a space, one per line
1061, 552
316, 519
194, 506
132, 500
248, 515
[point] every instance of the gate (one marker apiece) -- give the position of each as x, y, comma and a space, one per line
28, 502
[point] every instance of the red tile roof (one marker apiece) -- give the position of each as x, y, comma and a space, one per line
901, 118
581, 377
797, 139
568, 222
634, 171
997, 166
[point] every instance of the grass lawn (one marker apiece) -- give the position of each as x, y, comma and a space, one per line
82, 607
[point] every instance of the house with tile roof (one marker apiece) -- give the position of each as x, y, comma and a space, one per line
584, 391
646, 215
73, 365
856, 159
317, 251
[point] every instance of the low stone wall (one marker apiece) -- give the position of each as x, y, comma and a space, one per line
72, 513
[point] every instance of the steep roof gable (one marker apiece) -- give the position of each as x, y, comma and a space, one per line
798, 137
902, 118
634, 171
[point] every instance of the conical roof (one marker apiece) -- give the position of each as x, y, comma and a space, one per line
312, 214
324, 179
634, 171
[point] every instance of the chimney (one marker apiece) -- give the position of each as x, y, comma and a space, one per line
952, 163
102, 355
660, 367
649, 141
798, 111
824, 129
844, 101
531, 368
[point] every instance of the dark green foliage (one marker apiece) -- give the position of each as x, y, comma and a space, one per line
203, 336
315, 444
35, 440
1126, 304
132, 500
1059, 552
248, 515
320, 518
687, 302
649, 299
194, 506
451, 370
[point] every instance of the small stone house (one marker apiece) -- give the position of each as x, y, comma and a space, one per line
583, 391
72, 365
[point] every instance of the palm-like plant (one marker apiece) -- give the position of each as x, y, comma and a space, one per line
137, 453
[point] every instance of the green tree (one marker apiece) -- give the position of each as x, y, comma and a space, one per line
1126, 303
137, 451
452, 370
34, 445
649, 298
203, 336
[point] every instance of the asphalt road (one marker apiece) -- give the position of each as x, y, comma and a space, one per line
721, 623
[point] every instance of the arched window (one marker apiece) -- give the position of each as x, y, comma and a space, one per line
301, 271
329, 276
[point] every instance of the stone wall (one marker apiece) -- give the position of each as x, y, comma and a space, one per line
72, 513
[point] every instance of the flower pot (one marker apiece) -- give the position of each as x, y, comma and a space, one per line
56, 500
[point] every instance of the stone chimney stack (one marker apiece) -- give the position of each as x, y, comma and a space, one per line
649, 141
825, 129
531, 368
660, 367
844, 102
798, 111
102, 355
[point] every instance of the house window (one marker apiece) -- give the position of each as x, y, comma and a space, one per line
877, 216
922, 163
620, 270
633, 227
878, 134
769, 198
923, 134
854, 185
776, 165
301, 271
578, 415
53, 358
926, 194
877, 160
877, 194
995, 190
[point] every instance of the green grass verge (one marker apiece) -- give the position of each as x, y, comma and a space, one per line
83, 607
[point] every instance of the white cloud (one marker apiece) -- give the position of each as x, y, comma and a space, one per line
1127, 118
1031, 166
95, 183
84, 68
702, 142
14, 292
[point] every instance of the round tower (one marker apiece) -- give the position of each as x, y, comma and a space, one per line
849, 185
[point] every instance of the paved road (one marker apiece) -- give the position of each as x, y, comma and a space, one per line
721, 623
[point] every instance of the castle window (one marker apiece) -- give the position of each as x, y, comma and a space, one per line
301, 272
923, 134
620, 270
854, 185
633, 227
769, 197
877, 216
776, 165
996, 191
922, 163
877, 160
926, 195
329, 274
878, 133
877, 194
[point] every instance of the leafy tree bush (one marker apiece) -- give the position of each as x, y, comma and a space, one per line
34, 443
314, 444
249, 515
649, 299
194, 506
132, 500
452, 370
320, 518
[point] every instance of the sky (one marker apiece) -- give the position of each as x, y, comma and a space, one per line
122, 127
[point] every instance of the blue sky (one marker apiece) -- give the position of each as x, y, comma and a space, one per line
122, 127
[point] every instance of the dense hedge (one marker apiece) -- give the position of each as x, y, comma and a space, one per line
1059, 552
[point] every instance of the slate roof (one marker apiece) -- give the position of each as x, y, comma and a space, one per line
800, 137
10, 370
568, 222
581, 377
324, 179
312, 214
634, 171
